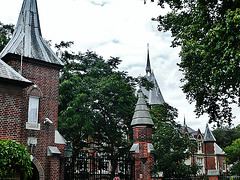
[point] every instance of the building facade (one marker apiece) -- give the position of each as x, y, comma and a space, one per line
29, 83
208, 155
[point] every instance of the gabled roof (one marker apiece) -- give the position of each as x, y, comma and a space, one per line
141, 114
219, 150
208, 135
7, 73
154, 96
27, 38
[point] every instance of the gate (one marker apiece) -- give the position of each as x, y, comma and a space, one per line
98, 166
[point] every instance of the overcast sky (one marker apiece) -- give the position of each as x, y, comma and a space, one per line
118, 28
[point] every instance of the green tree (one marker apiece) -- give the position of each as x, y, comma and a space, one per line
226, 135
6, 31
14, 159
208, 33
233, 156
97, 101
171, 146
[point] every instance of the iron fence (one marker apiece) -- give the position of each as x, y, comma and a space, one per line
98, 166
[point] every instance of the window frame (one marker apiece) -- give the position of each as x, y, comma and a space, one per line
32, 122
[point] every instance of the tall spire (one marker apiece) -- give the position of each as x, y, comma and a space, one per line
148, 67
27, 38
184, 123
154, 96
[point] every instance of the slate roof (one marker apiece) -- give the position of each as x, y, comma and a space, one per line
8, 73
141, 114
208, 135
154, 96
27, 38
219, 150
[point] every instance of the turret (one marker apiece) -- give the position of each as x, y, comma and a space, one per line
142, 148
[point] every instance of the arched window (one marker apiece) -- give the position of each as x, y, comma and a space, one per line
33, 108
199, 140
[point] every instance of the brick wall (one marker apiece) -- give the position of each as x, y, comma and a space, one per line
46, 85
11, 102
143, 160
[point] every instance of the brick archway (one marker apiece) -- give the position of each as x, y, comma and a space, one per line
39, 168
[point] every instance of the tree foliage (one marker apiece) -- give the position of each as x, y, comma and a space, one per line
6, 31
97, 101
226, 135
14, 159
171, 146
208, 33
233, 156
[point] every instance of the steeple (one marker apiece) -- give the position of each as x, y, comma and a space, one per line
208, 136
154, 96
184, 123
141, 114
27, 38
148, 67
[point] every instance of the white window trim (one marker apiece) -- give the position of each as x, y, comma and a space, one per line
34, 125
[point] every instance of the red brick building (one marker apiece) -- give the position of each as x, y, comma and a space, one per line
29, 82
209, 156
142, 148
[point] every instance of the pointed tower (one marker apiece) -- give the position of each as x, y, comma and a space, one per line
148, 66
30, 59
154, 96
210, 152
27, 38
142, 148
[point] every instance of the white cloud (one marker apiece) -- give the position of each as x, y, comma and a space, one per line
120, 28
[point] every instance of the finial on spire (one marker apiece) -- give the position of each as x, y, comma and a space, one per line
184, 123
148, 67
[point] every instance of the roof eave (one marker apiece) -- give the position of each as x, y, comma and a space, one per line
15, 82
11, 56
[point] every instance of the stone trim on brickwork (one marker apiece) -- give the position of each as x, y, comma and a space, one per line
39, 168
34, 91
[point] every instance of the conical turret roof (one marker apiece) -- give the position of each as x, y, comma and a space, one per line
208, 135
27, 38
141, 114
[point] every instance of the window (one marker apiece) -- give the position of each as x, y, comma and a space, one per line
33, 109
200, 164
223, 166
199, 146
199, 139
200, 161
